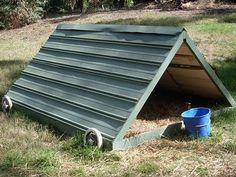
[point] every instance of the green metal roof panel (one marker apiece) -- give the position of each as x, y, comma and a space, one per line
122, 28
96, 75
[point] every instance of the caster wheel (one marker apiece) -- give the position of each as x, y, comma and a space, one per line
93, 137
6, 104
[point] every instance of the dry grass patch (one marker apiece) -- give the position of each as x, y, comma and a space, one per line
24, 43
182, 158
30, 149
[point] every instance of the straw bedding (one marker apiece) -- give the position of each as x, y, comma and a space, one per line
162, 108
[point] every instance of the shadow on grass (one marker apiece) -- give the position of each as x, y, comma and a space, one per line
166, 21
11, 172
10, 70
6, 63
43, 161
226, 71
63, 18
219, 11
224, 14
229, 17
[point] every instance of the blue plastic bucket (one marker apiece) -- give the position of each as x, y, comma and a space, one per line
197, 122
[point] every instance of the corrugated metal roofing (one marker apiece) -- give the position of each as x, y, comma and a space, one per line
97, 75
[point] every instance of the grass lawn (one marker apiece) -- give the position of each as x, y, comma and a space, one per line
31, 149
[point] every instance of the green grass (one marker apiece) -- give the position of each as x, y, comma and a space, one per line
77, 172
41, 161
31, 149
231, 18
227, 72
202, 171
74, 145
149, 168
10, 70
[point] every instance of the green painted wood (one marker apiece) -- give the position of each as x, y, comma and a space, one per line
100, 76
157, 133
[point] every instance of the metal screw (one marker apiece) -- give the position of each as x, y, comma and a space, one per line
189, 105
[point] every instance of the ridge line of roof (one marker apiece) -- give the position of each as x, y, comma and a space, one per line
167, 30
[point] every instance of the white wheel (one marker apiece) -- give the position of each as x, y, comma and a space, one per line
93, 137
6, 104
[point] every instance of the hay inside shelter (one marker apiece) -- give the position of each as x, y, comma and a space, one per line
164, 107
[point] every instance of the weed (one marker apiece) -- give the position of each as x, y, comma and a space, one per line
41, 160
225, 117
128, 174
230, 146
44, 158
216, 136
148, 167
111, 157
228, 19
202, 171
75, 146
79, 172
87, 153
71, 143
13, 158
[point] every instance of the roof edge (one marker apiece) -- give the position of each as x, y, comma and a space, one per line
168, 30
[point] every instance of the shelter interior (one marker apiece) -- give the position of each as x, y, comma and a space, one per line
185, 81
